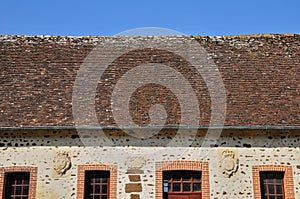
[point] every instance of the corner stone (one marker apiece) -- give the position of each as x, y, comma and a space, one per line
133, 187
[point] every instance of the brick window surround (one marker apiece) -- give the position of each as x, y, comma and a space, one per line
98, 167
288, 182
182, 165
32, 178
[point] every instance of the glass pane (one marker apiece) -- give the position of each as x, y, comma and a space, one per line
187, 187
104, 180
176, 177
104, 197
104, 188
97, 179
26, 180
279, 189
19, 180
278, 181
90, 188
166, 186
271, 197
271, 189
279, 197
264, 188
186, 176
25, 190
97, 189
270, 181
96, 197
197, 187
18, 190
166, 189
176, 187
197, 176
11, 190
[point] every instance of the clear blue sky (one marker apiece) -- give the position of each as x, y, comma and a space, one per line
210, 17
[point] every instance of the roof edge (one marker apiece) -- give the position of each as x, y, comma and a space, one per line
150, 128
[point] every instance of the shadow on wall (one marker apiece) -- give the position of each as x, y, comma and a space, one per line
228, 138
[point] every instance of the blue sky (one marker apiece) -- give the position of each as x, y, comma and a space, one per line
106, 18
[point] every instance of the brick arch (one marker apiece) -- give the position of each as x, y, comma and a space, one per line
288, 181
32, 178
160, 167
97, 167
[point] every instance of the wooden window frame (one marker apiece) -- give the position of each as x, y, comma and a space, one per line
99, 167
19, 169
274, 183
182, 182
288, 182
182, 165
100, 184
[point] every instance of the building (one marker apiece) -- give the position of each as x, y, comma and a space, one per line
60, 136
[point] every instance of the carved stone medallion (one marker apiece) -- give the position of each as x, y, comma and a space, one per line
135, 162
62, 162
229, 163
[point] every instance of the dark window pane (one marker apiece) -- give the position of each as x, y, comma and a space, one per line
25, 190
15, 185
104, 180
19, 180
104, 197
96, 184
279, 189
279, 197
176, 187
181, 181
186, 187
186, 176
176, 177
97, 188
197, 187
279, 181
264, 190
197, 176
26, 180
104, 188
97, 179
271, 185
271, 189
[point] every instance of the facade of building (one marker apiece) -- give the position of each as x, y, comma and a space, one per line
50, 148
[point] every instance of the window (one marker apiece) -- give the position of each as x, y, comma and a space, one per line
18, 182
182, 179
97, 184
184, 183
271, 184
16, 185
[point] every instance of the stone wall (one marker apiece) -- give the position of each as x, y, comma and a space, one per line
136, 165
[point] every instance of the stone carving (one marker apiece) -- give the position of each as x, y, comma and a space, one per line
62, 162
229, 163
135, 162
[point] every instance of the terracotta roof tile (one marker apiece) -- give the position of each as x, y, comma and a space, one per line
260, 73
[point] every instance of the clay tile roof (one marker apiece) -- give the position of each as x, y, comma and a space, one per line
260, 74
